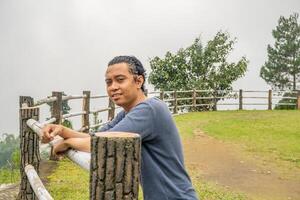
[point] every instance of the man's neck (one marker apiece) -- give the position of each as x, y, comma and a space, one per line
140, 98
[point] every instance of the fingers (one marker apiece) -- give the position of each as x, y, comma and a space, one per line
49, 132
57, 130
46, 134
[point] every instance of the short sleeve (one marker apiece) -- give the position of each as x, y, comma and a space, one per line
113, 122
139, 120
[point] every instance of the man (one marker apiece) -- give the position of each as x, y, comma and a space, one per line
163, 176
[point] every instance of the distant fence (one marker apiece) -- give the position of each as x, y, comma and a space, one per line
125, 184
210, 99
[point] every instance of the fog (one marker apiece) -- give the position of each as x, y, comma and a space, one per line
62, 45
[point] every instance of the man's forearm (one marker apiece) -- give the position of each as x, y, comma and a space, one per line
80, 144
69, 133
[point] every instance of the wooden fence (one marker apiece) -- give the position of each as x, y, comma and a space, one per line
114, 162
198, 100
104, 163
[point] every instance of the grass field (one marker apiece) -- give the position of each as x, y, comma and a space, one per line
9, 176
273, 134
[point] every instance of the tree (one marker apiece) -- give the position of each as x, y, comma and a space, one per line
198, 67
8, 145
282, 69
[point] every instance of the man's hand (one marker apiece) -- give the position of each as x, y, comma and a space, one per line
50, 131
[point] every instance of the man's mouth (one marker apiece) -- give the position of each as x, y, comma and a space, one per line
116, 95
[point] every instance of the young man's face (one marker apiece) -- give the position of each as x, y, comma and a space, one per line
122, 86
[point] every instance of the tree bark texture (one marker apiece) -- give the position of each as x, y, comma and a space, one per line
86, 108
115, 166
111, 111
29, 146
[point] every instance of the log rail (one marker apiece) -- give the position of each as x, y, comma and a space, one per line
125, 148
114, 162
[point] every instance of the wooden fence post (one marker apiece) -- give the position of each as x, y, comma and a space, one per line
175, 102
270, 100
111, 111
298, 100
56, 110
86, 108
29, 146
241, 99
115, 166
194, 100
161, 95
215, 100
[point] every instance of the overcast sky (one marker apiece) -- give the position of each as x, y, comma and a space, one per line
60, 45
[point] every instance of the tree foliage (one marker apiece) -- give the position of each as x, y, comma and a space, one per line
198, 66
9, 150
282, 69
287, 103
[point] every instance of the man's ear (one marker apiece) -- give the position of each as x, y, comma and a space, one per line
140, 80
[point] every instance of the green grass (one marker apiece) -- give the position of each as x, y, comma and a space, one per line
9, 176
274, 134
68, 181
270, 133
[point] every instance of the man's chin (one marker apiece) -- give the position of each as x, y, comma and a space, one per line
118, 102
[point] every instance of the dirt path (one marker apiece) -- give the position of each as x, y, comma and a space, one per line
224, 164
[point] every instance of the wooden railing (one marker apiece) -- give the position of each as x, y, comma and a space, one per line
177, 101
198, 100
127, 154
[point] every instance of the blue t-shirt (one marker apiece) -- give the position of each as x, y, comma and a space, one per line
163, 176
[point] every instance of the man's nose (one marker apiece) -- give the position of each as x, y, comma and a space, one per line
114, 86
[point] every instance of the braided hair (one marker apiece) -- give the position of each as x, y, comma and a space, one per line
135, 66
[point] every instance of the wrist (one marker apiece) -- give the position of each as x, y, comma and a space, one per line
62, 130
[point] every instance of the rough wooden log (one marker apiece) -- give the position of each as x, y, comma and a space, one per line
86, 108
99, 110
65, 116
29, 147
161, 95
70, 97
270, 100
36, 183
215, 100
80, 158
111, 111
194, 100
49, 121
175, 102
56, 111
298, 100
46, 100
115, 166
240, 99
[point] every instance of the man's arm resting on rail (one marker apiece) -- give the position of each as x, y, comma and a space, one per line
51, 130
80, 144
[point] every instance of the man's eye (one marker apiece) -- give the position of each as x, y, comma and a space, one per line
120, 79
108, 82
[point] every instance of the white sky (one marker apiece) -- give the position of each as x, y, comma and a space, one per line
64, 45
